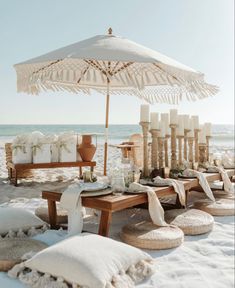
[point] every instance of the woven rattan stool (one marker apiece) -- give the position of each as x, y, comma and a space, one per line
62, 215
146, 235
11, 251
191, 222
221, 207
223, 194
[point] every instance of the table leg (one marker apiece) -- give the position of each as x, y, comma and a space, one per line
10, 174
80, 172
52, 213
177, 203
105, 221
15, 180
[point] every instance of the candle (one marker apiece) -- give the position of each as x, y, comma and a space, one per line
154, 120
144, 113
162, 129
165, 119
202, 135
195, 121
173, 116
186, 122
180, 128
208, 129
191, 128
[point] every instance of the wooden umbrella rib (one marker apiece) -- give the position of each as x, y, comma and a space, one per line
174, 77
94, 65
83, 73
47, 66
115, 66
122, 67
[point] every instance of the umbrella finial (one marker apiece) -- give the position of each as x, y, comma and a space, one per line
110, 31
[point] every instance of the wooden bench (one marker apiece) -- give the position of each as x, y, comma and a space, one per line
14, 169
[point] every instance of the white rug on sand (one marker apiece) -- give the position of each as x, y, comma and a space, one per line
201, 261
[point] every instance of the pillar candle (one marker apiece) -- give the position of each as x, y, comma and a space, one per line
202, 135
165, 119
195, 121
173, 116
208, 129
144, 113
191, 128
162, 129
186, 122
180, 128
154, 120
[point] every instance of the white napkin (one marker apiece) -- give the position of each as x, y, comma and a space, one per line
71, 201
203, 182
177, 185
228, 186
155, 208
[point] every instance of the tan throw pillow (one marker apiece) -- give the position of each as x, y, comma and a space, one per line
18, 222
86, 260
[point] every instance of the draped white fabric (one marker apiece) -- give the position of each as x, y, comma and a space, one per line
129, 67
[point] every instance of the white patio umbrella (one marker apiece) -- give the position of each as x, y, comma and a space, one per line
111, 64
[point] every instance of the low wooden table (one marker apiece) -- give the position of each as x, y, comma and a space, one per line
106, 204
112, 203
18, 167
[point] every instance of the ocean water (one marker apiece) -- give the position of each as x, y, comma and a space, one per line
222, 135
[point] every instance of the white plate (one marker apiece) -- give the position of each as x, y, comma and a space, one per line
96, 193
96, 186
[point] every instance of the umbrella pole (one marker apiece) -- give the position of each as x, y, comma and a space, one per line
106, 129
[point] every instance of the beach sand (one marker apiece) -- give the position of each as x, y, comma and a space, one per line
201, 261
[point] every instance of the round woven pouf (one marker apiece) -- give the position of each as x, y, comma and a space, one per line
62, 215
11, 251
191, 222
223, 194
146, 235
221, 207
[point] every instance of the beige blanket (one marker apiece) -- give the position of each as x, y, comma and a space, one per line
177, 185
155, 208
71, 201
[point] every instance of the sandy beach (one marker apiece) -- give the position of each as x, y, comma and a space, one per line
205, 260
137, 97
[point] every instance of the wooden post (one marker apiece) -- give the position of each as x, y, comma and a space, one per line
154, 150
145, 129
166, 150
196, 147
208, 147
173, 146
202, 154
186, 144
106, 129
161, 152
180, 138
190, 155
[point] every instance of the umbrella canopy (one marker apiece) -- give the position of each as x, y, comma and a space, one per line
107, 63
131, 69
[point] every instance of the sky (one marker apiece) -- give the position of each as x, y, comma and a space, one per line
197, 33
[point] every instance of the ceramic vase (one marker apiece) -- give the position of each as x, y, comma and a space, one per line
86, 149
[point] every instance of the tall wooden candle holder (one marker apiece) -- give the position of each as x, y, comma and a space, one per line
186, 144
145, 129
196, 147
180, 140
166, 150
161, 151
208, 147
154, 150
173, 146
190, 154
202, 154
